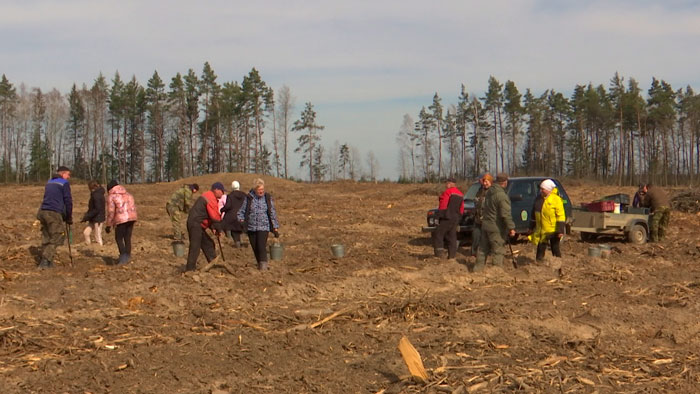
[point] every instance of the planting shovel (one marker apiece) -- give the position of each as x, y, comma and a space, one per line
68, 238
512, 255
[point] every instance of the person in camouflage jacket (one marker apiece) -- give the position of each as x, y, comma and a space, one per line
180, 203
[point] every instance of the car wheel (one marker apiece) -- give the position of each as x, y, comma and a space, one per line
637, 234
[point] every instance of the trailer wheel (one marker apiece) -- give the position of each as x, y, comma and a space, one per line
588, 237
637, 234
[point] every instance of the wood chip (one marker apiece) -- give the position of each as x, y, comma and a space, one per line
412, 359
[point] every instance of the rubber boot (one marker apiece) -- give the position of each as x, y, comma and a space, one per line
123, 259
480, 262
263, 266
440, 253
45, 264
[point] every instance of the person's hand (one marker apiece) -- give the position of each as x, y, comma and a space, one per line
511, 233
108, 229
560, 235
69, 221
276, 233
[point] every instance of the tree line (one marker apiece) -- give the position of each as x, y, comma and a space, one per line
120, 129
613, 134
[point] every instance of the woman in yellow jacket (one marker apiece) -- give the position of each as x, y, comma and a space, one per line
550, 220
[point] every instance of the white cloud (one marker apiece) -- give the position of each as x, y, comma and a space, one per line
376, 52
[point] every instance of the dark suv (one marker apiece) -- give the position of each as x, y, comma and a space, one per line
522, 192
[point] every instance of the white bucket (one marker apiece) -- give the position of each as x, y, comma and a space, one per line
617, 208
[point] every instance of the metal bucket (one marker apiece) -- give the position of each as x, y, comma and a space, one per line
276, 251
338, 250
594, 251
179, 248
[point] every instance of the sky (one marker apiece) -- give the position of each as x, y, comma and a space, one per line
362, 64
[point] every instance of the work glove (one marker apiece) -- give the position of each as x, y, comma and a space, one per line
69, 221
108, 229
217, 226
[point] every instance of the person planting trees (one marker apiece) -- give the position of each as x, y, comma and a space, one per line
55, 215
95, 216
204, 214
230, 222
180, 203
450, 211
658, 203
496, 225
122, 215
259, 214
550, 220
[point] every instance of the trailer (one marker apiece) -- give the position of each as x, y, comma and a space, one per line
633, 226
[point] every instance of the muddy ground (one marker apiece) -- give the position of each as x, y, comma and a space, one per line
314, 323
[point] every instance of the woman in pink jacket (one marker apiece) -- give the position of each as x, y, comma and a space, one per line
121, 214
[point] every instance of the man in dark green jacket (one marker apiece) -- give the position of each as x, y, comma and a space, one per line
497, 223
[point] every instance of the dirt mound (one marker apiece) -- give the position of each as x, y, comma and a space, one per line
315, 323
688, 201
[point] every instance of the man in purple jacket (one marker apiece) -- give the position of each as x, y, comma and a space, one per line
56, 208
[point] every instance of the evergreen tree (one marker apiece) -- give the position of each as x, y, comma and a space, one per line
177, 105
307, 141
191, 96
39, 164
8, 103
75, 127
117, 121
156, 106
344, 160
493, 102
436, 120
210, 155
513, 110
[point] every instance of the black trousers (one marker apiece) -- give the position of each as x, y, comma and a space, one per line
122, 234
542, 247
199, 239
447, 229
258, 241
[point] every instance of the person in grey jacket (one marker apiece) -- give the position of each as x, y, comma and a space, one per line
259, 217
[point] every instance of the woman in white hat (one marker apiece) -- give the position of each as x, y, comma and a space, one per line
550, 220
230, 222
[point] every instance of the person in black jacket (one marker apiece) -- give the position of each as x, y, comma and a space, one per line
450, 211
230, 222
95, 216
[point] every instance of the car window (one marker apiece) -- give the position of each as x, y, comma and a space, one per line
525, 189
471, 192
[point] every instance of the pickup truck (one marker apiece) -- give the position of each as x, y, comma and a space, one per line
522, 192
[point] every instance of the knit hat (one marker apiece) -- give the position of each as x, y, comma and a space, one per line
501, 177
218, 186
111, 184
62, 168
235, 185
547, 185
194, 187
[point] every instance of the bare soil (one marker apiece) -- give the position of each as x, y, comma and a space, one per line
315, 323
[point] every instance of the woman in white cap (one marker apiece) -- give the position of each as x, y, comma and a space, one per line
550, 220
234, 201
